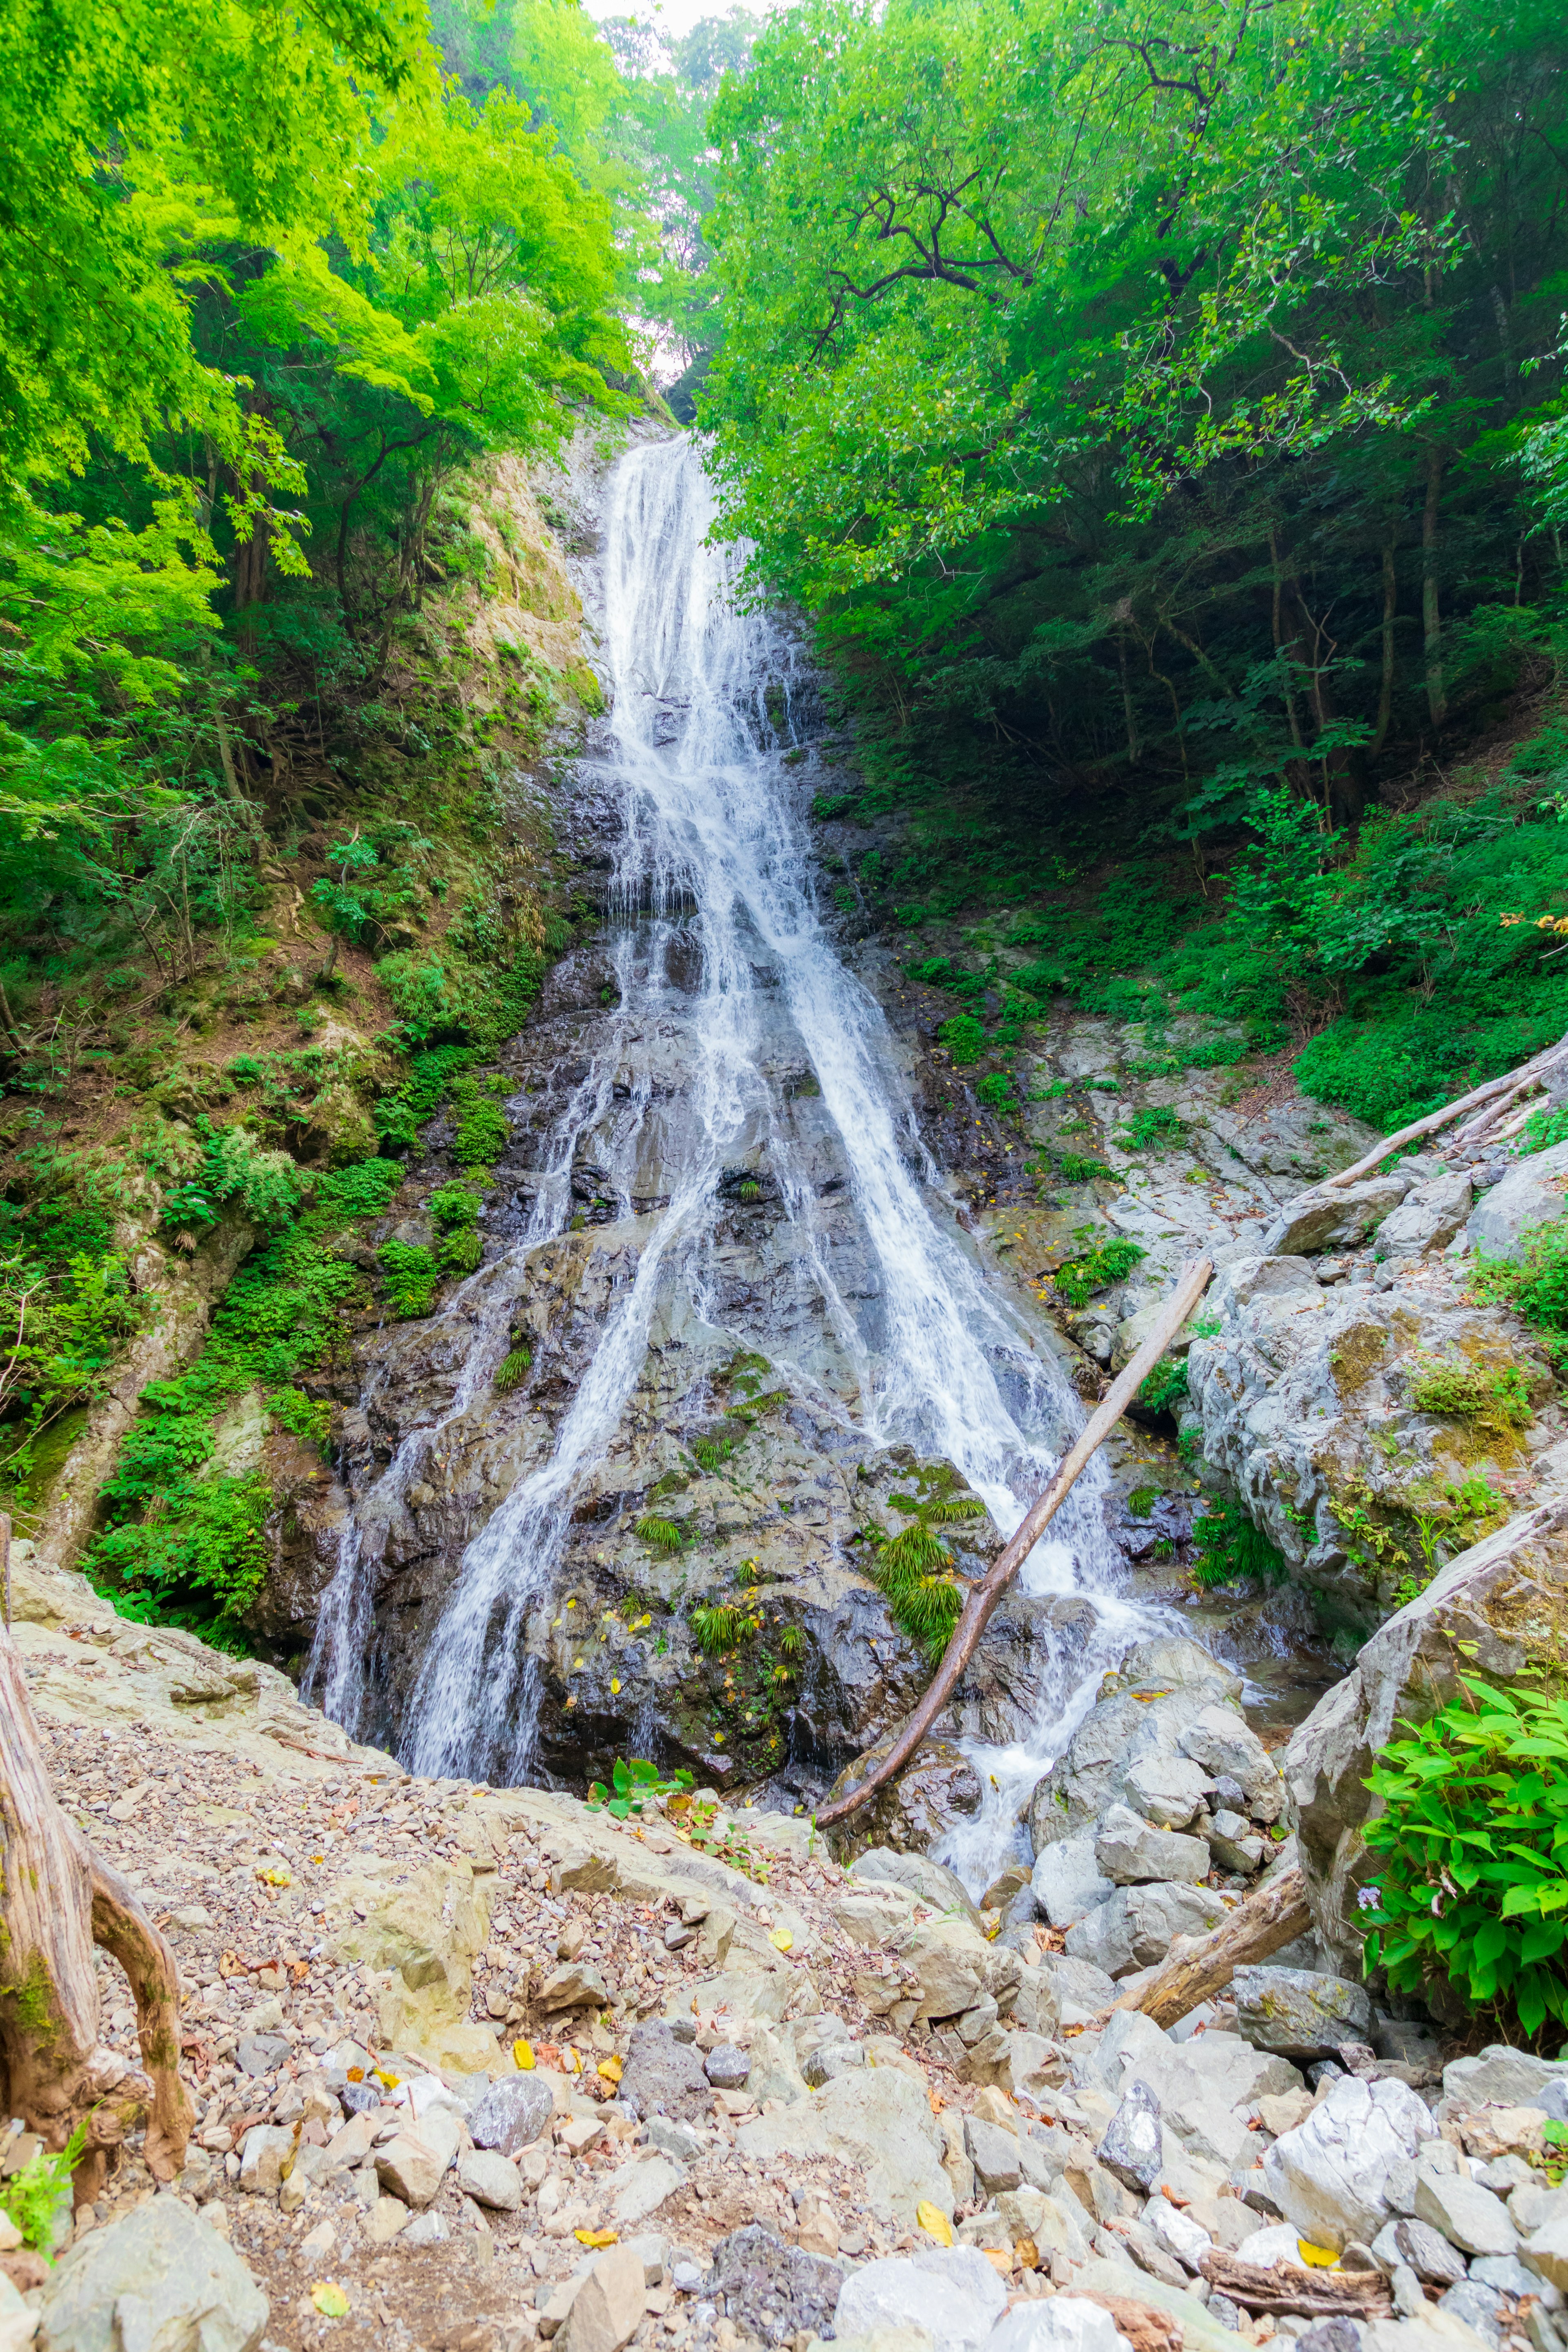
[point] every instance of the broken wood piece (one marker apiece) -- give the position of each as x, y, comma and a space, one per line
1491, 1095
1271, 1916
1282, 2287
981, 1598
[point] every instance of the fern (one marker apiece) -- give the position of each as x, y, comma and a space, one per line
720, 1626
35, 2197
711, 1453
510, 1369
953, 1506
662, 1534
463, 1252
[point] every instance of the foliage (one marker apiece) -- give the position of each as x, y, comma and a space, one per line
1498, 1401
913, 1569
1073, 1169
1535, 1284
995, 1088
265, 1186
636, 1785
1472, 1849
510, 1371
964, 1038
1229, 1548
35, 2199
1108, 1262
661, 1534
409, 1275
719, 1626
1543, 1128
1156, 1128
1165, 1386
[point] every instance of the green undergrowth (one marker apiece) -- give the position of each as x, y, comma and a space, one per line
1535, 1285
1108, 1262
185, 1542
1230, 1550
913, 1569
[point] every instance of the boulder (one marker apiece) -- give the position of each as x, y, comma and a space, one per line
1428, 2253
573, 1986
1234, 1843
1530, 1194
726, 2067
1138, 1925
1337, 1219
511, 2113
608, 2307
263, 2152
1227, 1747
1169, 1791
427, 1924
1068, 1880
772, 2292
1546, 2253
1161, 1687
1469, 2216
1501, 2077
639, 2188
1328, 2176
953, 1968
1496, 1611
928, 1881
1131, 2147
1299, 2011
1130, 1851
413, 2163
157, 2281
664, 2077
874, 1915
1059, 2323
951, 2291
490, 2180
995, 2154
1078, 1984
1427, 1218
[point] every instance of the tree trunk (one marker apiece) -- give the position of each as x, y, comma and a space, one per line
1269, 1919
56, 1900
1431, 614
1390, 614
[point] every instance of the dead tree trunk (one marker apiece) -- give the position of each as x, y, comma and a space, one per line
56, 1900
1271, 1918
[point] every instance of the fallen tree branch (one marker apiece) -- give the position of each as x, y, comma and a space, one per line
981, 1600
1510, 1084
1281, 2286
1271, 1918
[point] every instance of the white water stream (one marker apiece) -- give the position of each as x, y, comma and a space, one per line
712, 823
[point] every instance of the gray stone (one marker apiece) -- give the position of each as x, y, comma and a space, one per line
931, 1881
664, 2076
640, 2186
1068, 1880
1427, 1218
1132, 2146
1506, 2273
1340, 1220
1163, 1685
1128, 1851
511, 2113
995, 2154
262, 2155
1409, 2045
1078, 1984
951, 2291
1057, 2323
427, 2230
1545, 2251
770, 2291
413, 2163
653, 2252
1469, 2216
607, 2308
1223, 1741
833, 2058
727, 2067
1139, 1924
1479, 2306
1501, 2077
1428, 2252
880, 2120
573, 1986
1169, 1791
678, 2140
1530, 2209
1298, 2012
157, 2281
1328, 2176
1234, 1843
490, 2180
260, 2053
1530, 1194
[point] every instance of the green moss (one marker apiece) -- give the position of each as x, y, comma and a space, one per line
1497, 1400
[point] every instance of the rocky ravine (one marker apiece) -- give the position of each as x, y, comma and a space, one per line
765, 2091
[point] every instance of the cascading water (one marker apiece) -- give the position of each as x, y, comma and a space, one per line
713, 857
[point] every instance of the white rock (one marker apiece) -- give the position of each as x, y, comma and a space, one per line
639, 2189
1129, 1851
1187, 2239
491, 2180
317, 2244
1546, 2254
881, 2119
951, 2291
1068, 1881
1166, 1790
1469, 2216
261, 2158
1327, 2176
1057, 2323
1138, 1925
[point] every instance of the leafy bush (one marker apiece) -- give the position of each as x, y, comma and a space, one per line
995, 1088
1535, 1285
462, 1253
1155, 1125
721, 1625
661, 1534
267, 1186
1165, 1385
1112, 1262
1542, 1129
509, 1372
1229, 1548
1076, 1169
963, 1036
1473, 1850
37, 2197
482, 1130
635, 1785
410, 1277
455, 1208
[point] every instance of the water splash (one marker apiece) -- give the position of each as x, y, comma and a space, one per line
715, 855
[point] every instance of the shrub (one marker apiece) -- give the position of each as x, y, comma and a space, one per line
454, 1207
1097, 1270
635, 1784
462, 1253
720, 1625
482, 1130
266, 1185
662, 1534
1536, 1285
410, 1277
995, 1088
1165, 1386
37, 2197
1542, 1129
963, 1036
1473, 1847
1151, 1128
509, 1372
1076, 1169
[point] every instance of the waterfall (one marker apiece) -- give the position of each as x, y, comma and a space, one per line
714, 855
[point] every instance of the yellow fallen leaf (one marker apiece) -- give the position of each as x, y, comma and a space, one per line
276, 1877
330, 2300
610, 2068
781, 1939
1028, 2253
615, 1683
571, 2059
522, 2054
935, 2222
1000, 2259
390, 2081
1317, 2258
594, 2237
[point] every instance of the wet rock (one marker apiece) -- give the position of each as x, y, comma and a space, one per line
1068, 1881
1130, 1851
1162, 1686
1303, 2014
511, 2113
951, 2292
1138, 1925
1131, 2147
1328, 2176
157, 2277
929, 1880
911, 1813
773, 2292
665, 2077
